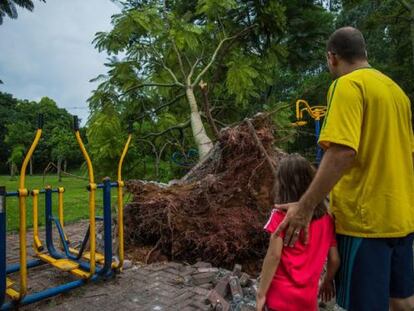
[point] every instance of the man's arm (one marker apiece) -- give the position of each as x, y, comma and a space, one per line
336, 160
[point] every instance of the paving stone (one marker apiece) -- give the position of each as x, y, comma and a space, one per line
202, 264
201, 278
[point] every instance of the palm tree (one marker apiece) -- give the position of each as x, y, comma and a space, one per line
8, 7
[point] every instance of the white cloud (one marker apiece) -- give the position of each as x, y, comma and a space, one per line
48, 52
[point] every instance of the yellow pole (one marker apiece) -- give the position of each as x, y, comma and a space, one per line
121, 205
61, 190
23, 193
92, 190
37, 245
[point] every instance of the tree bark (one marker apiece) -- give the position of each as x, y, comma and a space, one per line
12, 171
204, 90
59, 169
31, 166
65, 165
204, 143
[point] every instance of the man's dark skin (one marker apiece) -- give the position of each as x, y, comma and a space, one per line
335, 162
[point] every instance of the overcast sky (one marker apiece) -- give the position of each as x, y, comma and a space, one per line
48, 52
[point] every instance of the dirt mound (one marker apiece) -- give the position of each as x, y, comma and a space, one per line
217, 211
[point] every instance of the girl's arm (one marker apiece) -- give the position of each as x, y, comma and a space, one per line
269, 267
327, 290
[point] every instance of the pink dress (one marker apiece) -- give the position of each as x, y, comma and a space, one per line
295, 284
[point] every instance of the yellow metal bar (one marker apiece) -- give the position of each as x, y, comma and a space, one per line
61, 190
87, 158
121, 205
23, 193
60, 205
37, 244
86, 255
92, 191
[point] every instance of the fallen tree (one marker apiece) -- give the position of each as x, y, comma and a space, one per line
217, 211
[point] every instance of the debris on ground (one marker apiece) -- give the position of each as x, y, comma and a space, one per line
217, 211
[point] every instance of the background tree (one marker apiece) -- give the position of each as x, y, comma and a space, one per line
9, 7
241, 49
63, 148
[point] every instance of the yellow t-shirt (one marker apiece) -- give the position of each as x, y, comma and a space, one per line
369, 112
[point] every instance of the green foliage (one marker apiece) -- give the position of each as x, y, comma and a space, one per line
105, 141
18, 124
9, 7
386, 27
162, 41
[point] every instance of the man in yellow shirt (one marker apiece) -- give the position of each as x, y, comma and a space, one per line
368, 170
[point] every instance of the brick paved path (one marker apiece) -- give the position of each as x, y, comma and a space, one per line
157, 287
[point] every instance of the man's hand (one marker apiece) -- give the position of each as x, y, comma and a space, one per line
297, 219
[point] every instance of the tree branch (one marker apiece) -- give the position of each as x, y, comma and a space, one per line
190, 75
147, 84
204, 90
165, 66
406, 5
172, 74
213, 58
162, 106
262, 149
180, 61
176, 127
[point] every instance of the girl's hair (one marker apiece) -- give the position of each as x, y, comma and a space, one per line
294, 175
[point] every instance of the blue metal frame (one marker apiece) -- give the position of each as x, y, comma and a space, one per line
105, 271
3, 272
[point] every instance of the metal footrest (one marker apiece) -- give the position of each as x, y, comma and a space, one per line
99, 258
66, 265
13, 294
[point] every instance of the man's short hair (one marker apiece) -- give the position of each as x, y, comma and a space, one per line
348, 43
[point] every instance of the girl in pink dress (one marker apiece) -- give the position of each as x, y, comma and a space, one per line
290, 275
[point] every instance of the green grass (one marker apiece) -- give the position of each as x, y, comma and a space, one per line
75, 199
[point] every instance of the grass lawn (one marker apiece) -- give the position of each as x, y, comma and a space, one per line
75, 199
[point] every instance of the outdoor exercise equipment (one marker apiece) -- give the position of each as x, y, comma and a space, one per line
86, 266
316, 113
188, 159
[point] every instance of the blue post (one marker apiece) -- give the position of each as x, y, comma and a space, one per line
48, 223
318, 148
107, 270
49, 236
3, 272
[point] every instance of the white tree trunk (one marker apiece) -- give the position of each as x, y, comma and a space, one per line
204, 143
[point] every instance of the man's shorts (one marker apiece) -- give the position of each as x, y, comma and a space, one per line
373, 270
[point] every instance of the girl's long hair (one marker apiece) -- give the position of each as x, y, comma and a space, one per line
294, 175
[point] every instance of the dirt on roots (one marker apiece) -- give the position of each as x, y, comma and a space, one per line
216, 212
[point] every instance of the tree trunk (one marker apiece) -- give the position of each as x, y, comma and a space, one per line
31, 166
204, 143
65, 165
59, 169
207, 111
12, 171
